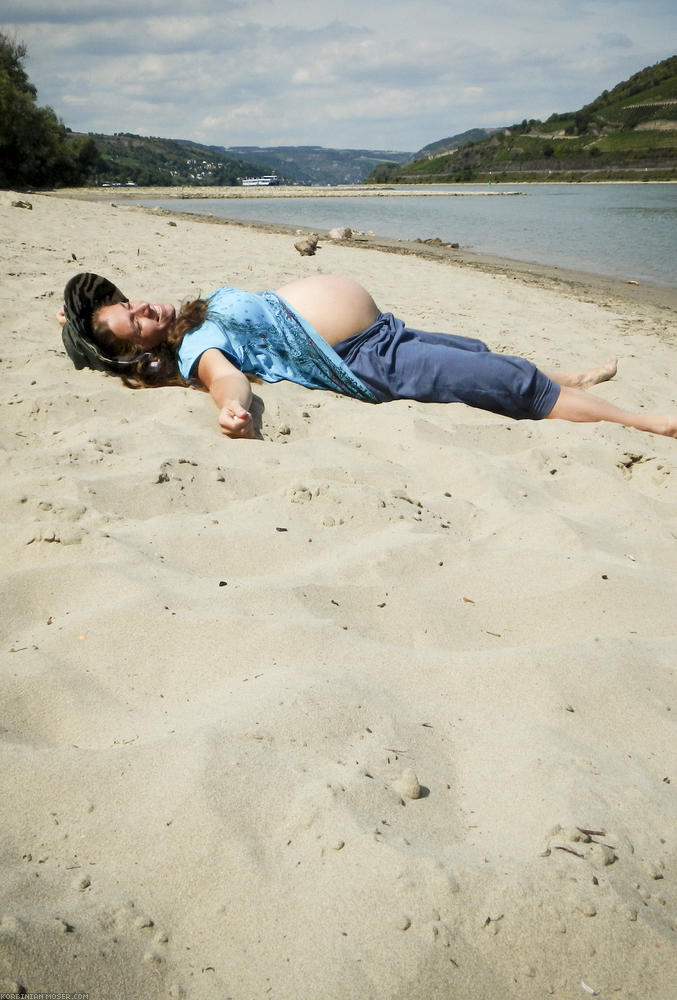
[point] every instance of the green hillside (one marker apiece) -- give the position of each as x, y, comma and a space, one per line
124, 158
454, 141
627, 133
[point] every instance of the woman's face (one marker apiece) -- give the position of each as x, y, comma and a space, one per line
138, 323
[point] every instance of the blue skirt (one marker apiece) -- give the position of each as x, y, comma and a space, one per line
396, 362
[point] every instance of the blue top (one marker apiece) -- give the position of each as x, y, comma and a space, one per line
261, 334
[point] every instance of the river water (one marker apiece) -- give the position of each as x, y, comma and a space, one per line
622, 231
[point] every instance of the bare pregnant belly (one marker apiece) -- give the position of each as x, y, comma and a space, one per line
337, 308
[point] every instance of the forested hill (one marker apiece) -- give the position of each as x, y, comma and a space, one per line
627, 133
454, 141
125, 158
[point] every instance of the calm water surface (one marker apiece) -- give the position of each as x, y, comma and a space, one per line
624, 231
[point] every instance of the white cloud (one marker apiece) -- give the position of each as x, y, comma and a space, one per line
388, 74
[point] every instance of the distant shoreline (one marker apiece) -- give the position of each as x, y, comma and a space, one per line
274, 191
292, 191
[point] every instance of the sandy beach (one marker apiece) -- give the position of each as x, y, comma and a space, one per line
228, 666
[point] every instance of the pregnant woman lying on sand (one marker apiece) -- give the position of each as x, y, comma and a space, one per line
324, 333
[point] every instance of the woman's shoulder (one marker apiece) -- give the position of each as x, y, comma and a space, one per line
229, 290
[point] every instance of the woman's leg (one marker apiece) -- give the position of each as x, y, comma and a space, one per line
398, 362
576, 405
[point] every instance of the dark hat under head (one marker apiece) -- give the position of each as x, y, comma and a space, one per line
83, 295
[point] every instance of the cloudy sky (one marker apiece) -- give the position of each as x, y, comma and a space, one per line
373, 74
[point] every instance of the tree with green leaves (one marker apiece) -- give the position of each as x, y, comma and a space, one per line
34, 147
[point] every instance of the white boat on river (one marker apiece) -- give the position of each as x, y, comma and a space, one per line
267, 180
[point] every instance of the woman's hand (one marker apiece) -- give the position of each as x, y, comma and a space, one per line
235, 421
61, 317
231, 392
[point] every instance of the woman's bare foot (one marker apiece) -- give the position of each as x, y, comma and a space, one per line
665, 425
593, 376
602, 374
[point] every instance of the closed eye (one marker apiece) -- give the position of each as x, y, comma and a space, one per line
135, 325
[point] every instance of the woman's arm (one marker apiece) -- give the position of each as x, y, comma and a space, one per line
230, 390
